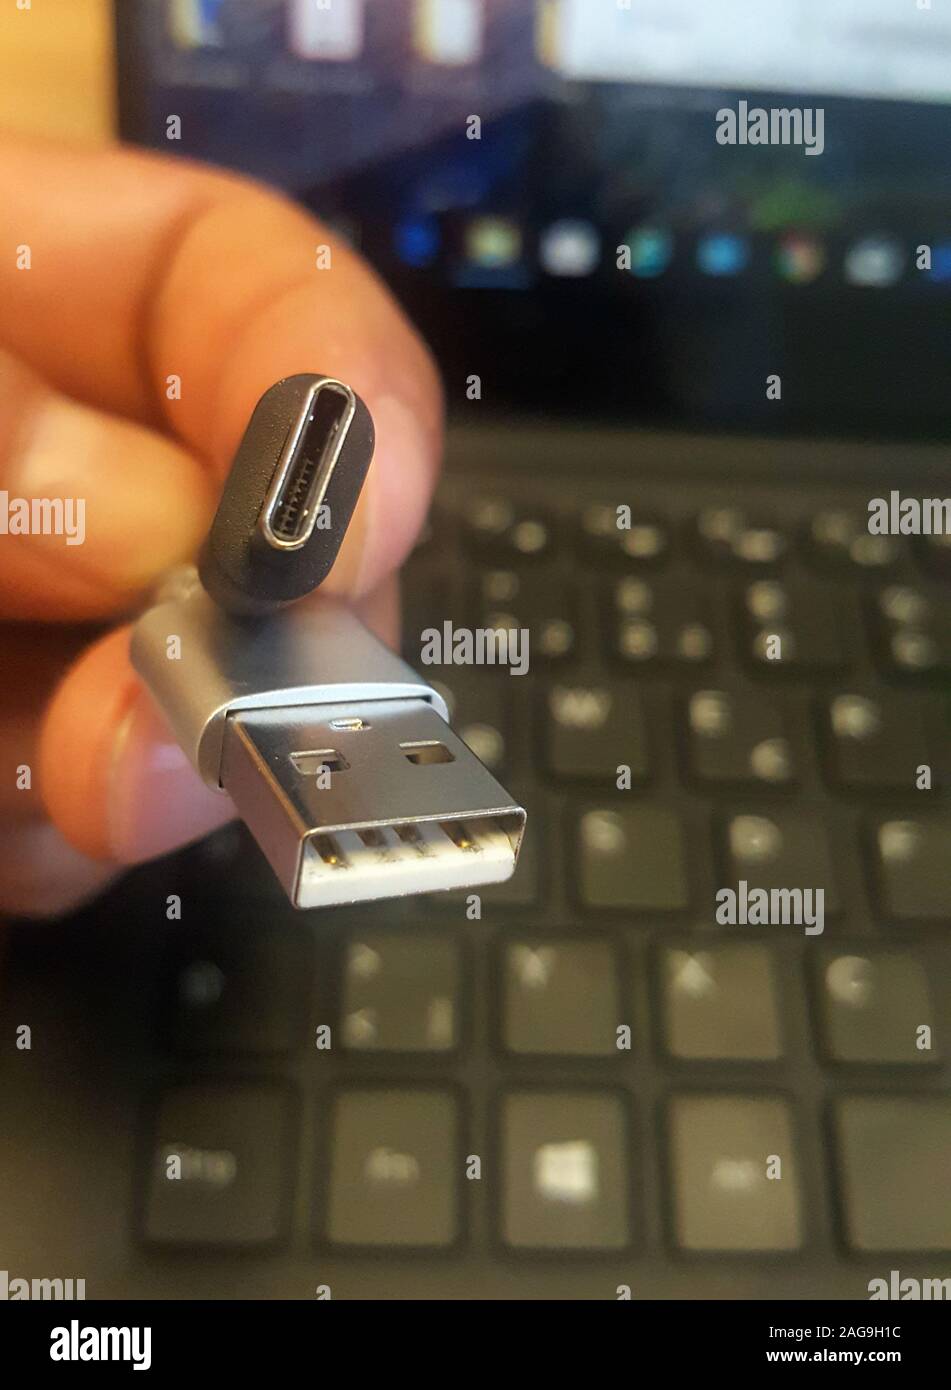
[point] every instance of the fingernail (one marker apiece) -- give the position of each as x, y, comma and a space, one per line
157, 801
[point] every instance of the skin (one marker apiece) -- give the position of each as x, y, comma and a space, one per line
143, 268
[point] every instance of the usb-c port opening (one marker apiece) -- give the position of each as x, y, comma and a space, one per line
306, 466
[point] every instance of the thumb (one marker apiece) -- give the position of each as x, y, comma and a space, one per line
113, 778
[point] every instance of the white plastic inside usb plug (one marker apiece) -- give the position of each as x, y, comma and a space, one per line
350, 866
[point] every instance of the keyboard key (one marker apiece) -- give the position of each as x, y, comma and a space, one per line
721, 1003
660, 620
490, 519
912, 631
480, 711
564, 1171
738, 737
645, 541
912, 652
401, 993
729, 535
793, 626
904, 605
495, 525
873, 1006
541, 602
875, 741
487, 742
561, 998
787, 849
591, 730
840, 539
220, 1162
893, 1154
722, 1148
914, 867
430, 599
241, 988
396, 1169
632, 859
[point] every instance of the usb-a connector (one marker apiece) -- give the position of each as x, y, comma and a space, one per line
356, 789
376, 799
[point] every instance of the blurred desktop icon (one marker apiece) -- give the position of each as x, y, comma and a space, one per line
874, 262
650, 251
589, 38
195, 23
547, 32
800, 258
722, 253
329, 31
570, 248
449, 32
416, 240
941, 263
855, 48
493, 243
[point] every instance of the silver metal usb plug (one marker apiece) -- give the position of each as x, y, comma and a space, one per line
336, 753
354, 802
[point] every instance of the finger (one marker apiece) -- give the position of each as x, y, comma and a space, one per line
33, 661
166, 273
114, 780
43, 876
133, 503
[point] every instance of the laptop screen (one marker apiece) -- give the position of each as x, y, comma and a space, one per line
631, 210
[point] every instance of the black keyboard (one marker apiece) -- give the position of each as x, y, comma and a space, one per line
579, 1082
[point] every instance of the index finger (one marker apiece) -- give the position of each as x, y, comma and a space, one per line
176, 295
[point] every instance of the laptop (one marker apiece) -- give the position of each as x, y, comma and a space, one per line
686, 271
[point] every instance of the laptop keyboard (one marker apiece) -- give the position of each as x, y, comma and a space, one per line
583, 1062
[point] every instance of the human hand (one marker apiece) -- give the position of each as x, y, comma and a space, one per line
145, 271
